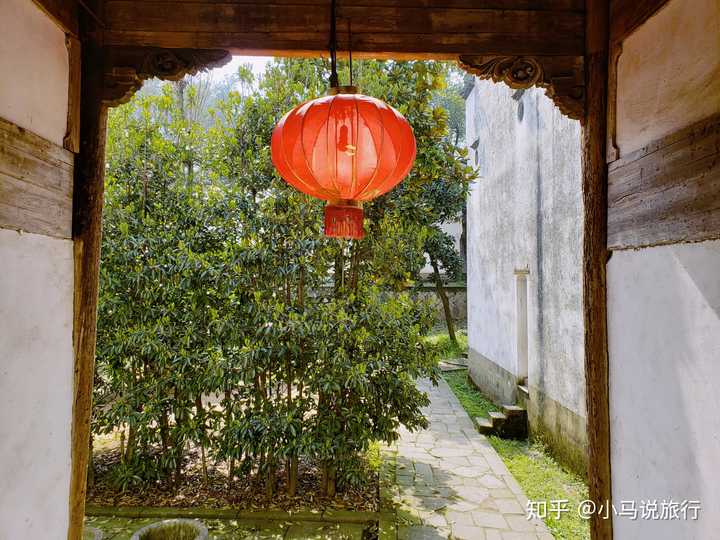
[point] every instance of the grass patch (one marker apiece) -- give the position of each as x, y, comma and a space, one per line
543, 479
446, 349
472, 401
539, 475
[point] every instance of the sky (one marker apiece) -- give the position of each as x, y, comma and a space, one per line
258, 65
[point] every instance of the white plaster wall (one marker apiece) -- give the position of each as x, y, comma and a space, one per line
36, 299
500, 222
524, 212
664, 345
669, 72
36, 378
664, 302
558, 329
34, 67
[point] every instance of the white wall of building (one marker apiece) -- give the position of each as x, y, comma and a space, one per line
500, 213
664, 302
664, 336
36, 378
36, 299
34, 63
669, 73
524, 212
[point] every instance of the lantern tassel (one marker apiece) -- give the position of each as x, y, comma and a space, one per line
344, 221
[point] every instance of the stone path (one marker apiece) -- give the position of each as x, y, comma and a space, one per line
452, 483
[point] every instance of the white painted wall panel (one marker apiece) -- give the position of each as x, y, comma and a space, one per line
36, 379
664, 345
669, 73
36, 299
34, 67
664, 302
500, 220
524, 212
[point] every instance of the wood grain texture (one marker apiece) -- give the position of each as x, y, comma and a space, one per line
668, 191
36, 178
595, 255
71, 141
389, 28
126, 68
63, 12
613, 151
627, 15
86, 234
561, 77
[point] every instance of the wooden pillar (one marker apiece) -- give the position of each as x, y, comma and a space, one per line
595, 256
86, 234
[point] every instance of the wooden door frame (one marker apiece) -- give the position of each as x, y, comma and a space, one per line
577, 85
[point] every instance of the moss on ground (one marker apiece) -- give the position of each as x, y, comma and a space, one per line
446, 349
539, 475
473, 401
542, 479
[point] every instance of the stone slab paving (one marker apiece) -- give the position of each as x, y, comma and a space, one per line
453, 485
225, 529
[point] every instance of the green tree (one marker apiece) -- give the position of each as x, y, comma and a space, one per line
216, 282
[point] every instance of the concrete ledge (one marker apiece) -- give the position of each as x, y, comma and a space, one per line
494, 381
562, 430
327, 516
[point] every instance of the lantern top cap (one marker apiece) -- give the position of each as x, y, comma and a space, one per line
335, 90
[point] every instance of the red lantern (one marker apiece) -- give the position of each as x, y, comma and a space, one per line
345, 148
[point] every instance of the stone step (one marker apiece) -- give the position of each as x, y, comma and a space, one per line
511, 423
514, 410
484, 426
450, 366
497, 418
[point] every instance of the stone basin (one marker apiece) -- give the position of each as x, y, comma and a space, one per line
173, 529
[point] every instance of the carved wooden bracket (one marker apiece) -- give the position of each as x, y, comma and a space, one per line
127, 67
561, 76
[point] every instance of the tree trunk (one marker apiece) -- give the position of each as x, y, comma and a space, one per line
179, 453
330, 481
130, 449
201, 419
323, 479
122, 443
270, 482
292, 476
355, 266
91, 466
228, 419
444, 300
165, 431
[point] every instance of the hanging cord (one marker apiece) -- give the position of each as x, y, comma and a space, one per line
333, 47
350, 49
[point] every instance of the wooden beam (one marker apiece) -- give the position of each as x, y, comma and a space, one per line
613, 152
71, 140
36, 178
389, 28
63, 12
595, 257
668, 191
126, 68
627, 15
86, 233
561, 77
